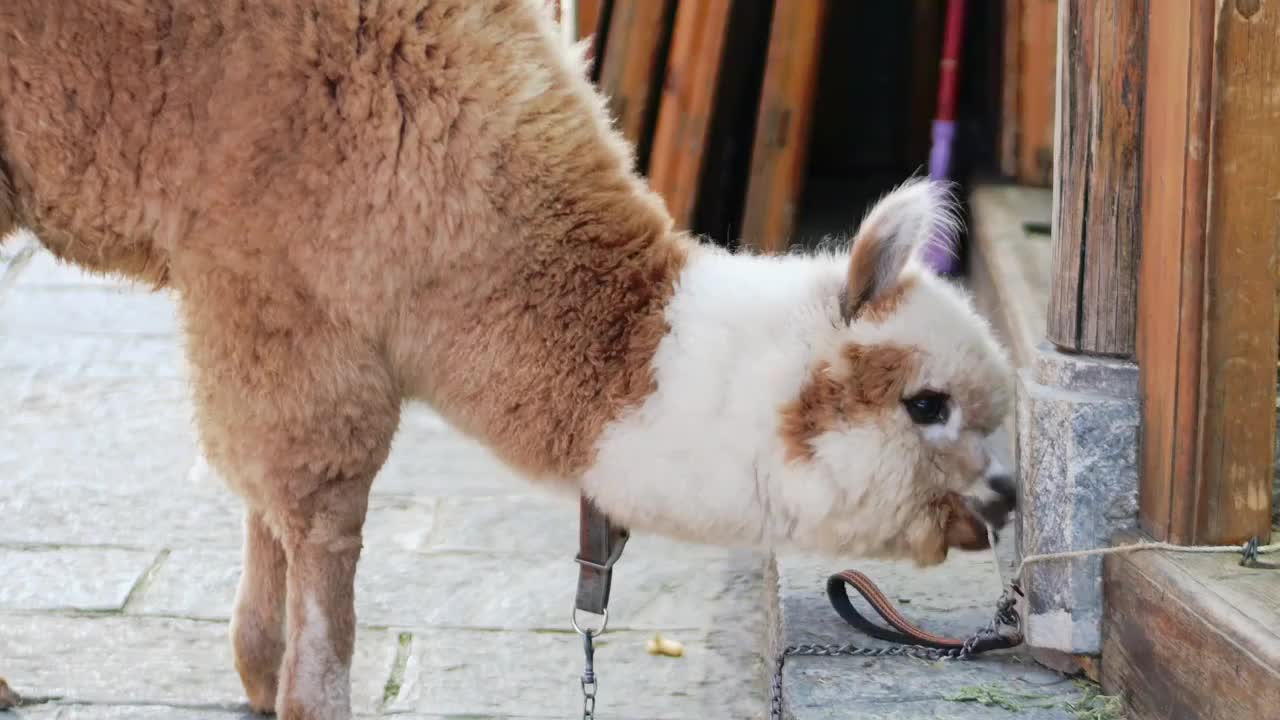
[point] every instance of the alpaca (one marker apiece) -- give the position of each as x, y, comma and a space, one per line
425, 200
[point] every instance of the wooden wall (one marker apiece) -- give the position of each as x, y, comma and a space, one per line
1208, 306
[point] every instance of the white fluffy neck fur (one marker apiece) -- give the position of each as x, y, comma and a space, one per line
702, 458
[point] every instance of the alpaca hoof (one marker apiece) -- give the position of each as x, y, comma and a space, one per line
262, 707
262, 695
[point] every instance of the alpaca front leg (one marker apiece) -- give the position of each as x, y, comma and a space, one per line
257, 627
322, 554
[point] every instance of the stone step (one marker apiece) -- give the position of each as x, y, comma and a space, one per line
955, 599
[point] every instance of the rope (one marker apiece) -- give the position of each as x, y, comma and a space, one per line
1138, 547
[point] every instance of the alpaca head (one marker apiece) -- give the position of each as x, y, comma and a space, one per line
884, 441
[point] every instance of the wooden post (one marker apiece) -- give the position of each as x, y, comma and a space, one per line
688, 100
1096, 204
1206, 340
588, 22
1027, 95
633, 61
781, 143
926, 37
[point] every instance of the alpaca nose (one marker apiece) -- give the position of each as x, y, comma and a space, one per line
1001, 500
1005, 489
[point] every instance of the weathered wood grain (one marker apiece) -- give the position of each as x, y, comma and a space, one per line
1038, 31
588, 22
780, 148
687, 102
1241, 274
1011, 58
1096, 223
1027, 103
1191, 637
1179, 82
1209, 272
633, 61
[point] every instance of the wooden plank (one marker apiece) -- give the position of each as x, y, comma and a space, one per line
1010, 85
1027, 94
1179, 72
589, 22
1209, 273
926, 44
1241, 274
726, 161
633, 63
780, 148
588, 17
1191, 637
1093, 301
1038, 35
688, 100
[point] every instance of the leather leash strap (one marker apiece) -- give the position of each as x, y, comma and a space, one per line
904, 631
600, 544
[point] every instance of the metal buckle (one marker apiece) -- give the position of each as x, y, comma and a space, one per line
614, 554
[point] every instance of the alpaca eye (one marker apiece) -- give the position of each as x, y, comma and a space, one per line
927, 408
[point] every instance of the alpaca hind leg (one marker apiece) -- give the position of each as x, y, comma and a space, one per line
257, 626
298, 424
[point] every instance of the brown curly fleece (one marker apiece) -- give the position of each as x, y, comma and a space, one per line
356, 203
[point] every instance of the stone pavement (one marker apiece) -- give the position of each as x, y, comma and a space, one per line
952, 599
119, 553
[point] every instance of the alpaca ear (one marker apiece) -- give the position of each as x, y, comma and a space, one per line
890, 236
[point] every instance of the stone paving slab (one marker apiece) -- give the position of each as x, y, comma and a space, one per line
91, 579
91, 310
132, 660
129, 515
954, 599
902, 689
430, 459
109, 432
489, 591
488, 673
60, 711
91, 357
522, 524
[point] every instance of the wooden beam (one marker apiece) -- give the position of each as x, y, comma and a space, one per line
1191, 637
1011, 57
781, 144
588, 22
1242, 274
1179, 74
1209, 272
633, 62
926, 43
688, 100
1096, 218
1027, 93
1038, 35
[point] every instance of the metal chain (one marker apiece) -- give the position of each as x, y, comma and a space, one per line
588, 677
1005, 617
